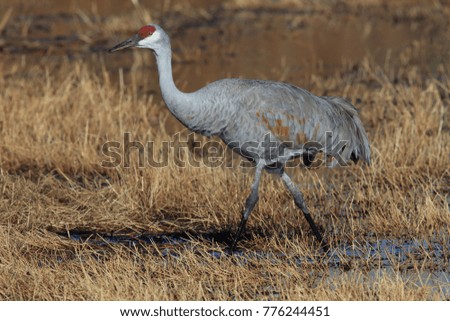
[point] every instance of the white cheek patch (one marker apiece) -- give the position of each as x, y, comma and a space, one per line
148, 41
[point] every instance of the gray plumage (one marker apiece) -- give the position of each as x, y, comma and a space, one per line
245, 113
239, 111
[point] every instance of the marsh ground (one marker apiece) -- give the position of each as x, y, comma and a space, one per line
72, 229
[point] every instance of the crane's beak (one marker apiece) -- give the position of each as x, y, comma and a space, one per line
131, 42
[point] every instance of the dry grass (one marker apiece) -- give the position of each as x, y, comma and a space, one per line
55, 118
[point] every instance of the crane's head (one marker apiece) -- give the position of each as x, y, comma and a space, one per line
150, 36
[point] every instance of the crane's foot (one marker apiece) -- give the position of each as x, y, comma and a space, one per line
238, 234
324, 244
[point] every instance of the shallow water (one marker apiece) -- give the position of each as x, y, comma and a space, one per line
383, 250
286, 44
438, 281
395, 258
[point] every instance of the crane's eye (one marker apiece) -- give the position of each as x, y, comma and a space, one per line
146, 31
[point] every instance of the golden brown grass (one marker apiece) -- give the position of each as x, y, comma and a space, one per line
55, 118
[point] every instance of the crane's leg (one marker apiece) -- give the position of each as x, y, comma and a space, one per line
249, 204
300, 202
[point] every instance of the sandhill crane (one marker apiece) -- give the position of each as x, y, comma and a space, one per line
266, 122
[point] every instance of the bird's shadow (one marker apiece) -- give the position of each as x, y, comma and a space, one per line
223, 238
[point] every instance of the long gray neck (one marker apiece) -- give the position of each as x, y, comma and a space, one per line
177, 101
